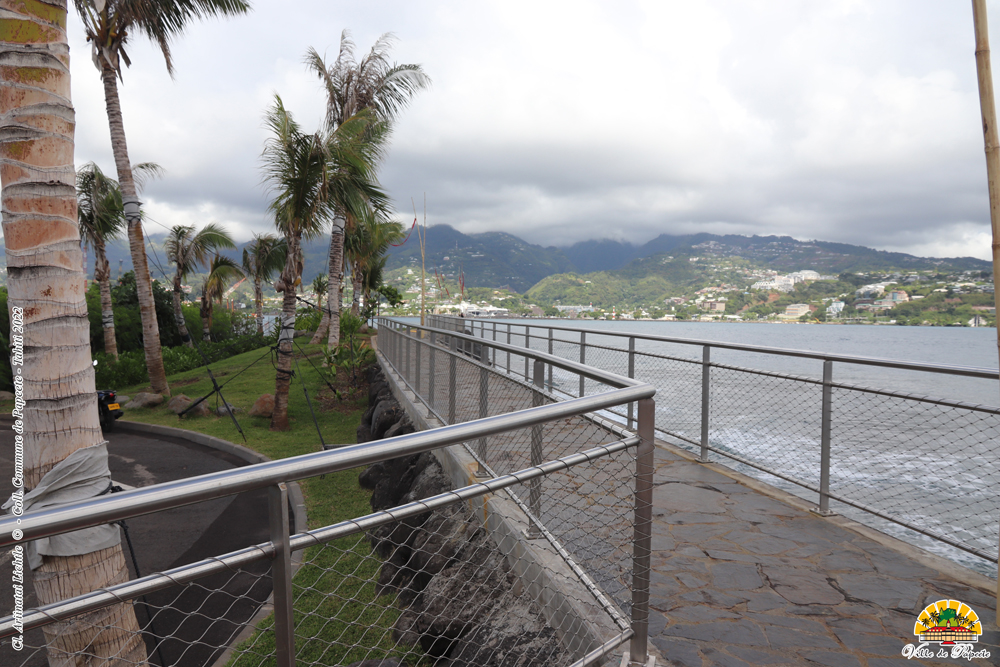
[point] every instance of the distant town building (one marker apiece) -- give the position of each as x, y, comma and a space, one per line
778, 283
835, 309
714, 306
797, 310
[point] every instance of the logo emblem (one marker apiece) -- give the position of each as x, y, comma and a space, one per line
948, 622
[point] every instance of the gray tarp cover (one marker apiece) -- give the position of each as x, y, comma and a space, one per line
82, 475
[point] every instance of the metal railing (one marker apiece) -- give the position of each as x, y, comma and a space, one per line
927, 464
351, 599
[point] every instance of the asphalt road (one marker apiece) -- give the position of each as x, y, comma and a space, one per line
183, 626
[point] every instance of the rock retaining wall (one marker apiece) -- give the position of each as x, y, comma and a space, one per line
449, 577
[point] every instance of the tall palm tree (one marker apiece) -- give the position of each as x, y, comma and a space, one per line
262, 256
377, 86
307, 173
102, 219
189, 250
108, 24
45, 283
368, 242
222, 272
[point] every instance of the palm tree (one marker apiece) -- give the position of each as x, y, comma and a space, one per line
102, 219
262, 256
108, 24
369, 243
374, 85
307, 173
188, 250
45, 283
222, 272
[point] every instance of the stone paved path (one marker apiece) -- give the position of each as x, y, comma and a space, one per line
742, 578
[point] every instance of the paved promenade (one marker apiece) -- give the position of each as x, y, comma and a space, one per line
744, 574
745, 578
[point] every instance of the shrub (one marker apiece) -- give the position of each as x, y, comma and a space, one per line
129, 369
307, 319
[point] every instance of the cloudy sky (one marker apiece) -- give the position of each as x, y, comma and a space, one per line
844, 120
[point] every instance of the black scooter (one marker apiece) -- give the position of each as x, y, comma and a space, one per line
108, 408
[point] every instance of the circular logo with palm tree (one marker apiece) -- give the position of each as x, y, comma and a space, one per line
948, 622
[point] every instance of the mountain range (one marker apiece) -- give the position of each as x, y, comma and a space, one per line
499, 259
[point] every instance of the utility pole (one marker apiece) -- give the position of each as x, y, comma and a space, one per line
987, 105
422, 237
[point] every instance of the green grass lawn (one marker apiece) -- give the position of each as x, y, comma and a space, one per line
338, 618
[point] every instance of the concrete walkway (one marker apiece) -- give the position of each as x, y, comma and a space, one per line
744, 574
742, 577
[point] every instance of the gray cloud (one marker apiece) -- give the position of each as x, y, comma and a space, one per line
849, 120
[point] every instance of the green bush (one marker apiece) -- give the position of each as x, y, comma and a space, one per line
179, 359
307, 319
129, 369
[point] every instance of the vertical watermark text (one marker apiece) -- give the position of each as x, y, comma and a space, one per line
17, 554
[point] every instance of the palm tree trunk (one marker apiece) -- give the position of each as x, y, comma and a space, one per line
206, 319
356, 296
283, 379
45, 280
102, 274
137, 245
324, 323
334, 280
179, 314
258, 298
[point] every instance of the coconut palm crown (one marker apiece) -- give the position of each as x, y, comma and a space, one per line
189, 249
376, 86
262, 257
222, 272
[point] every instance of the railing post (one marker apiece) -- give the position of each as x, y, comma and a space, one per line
551, 340
631, 374
281, 575
416, 371
484, 411
409, 371
642, 542
824, 457
583, 358
535, 485
508, 351
706, 399
430, 370
494, 348
452, 360
527, 346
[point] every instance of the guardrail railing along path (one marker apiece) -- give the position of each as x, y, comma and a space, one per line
559, 518
922, 468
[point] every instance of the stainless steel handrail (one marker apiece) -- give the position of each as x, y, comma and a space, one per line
129, 590
107, 509
967, 371
99, 511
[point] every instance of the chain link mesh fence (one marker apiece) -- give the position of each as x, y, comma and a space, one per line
539, 572
919, 468
190, 624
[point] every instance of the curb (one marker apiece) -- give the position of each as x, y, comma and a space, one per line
295, 499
